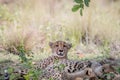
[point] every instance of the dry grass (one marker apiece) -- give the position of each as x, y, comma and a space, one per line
35, 23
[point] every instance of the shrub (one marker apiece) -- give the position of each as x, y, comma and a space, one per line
25, 38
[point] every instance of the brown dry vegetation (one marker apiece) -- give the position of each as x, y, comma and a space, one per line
35, 23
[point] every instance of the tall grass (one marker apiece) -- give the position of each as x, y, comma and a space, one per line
34, 23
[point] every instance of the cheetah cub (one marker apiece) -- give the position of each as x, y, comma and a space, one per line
59, 52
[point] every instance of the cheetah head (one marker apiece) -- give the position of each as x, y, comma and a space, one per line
60, 48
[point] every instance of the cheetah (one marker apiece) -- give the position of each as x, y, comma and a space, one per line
73, 70
59, 52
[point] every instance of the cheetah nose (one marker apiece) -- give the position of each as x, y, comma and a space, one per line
60, 50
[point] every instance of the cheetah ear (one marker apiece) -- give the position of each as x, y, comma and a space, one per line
50, 44
69, 45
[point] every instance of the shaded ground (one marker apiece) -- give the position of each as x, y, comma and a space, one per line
16, 70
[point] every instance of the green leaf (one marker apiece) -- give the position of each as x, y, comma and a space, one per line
75, 8
10, 69
78, 1
81, 13
82, 6
87, 2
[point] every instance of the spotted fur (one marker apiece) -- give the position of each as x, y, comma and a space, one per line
63, 68
78, 69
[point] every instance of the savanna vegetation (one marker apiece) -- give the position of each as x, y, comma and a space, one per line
27, 26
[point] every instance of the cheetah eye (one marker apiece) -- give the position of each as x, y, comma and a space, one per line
64, 45
56, 45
